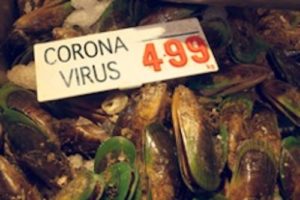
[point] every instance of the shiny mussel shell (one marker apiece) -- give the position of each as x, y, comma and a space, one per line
235, 113
197, 158
115, 161
114, 150
290, 168
255, 172
121, 181
264, 126
161, 164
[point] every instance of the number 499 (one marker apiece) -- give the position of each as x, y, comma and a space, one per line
174, 48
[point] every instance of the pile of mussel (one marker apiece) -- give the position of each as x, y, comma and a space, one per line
233, 134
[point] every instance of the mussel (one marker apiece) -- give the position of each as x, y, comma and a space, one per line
264, 127
286, 65
235, 114
114, 161
29, 140
255, 172
196, 154
122, 14
149, 107
13, 184
230, 80
247, 45
79, 136
284, 97
169, 12
45, 18
161, 164
290, 168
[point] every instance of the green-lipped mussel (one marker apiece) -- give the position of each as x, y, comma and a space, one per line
255, 172
284, 97
290, 168
229, 81
196, 154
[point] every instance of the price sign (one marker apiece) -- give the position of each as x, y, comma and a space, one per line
121, 59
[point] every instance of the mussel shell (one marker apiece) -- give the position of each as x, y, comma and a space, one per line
79, 136
197, 157
255, 172
246, 45
148, 107
218, 32
264, 126
115, 149
122, 14
45, 18
284, 97
35, 151
25, 102
235, 113
121, 180
13, 184
161, 164
86, 185
169, 12
234, 79
290, 168
285, 66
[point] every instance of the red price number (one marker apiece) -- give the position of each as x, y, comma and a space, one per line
176, 50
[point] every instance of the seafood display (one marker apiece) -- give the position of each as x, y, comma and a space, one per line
232, 134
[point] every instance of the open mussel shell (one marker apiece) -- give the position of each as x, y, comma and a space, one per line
290, 168
255, 172
161, 164
196, 154
13, 184
85, 186
35, 151
113, 150
121, 181
231, 80
284, 97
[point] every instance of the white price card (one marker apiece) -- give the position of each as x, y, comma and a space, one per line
121, 59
